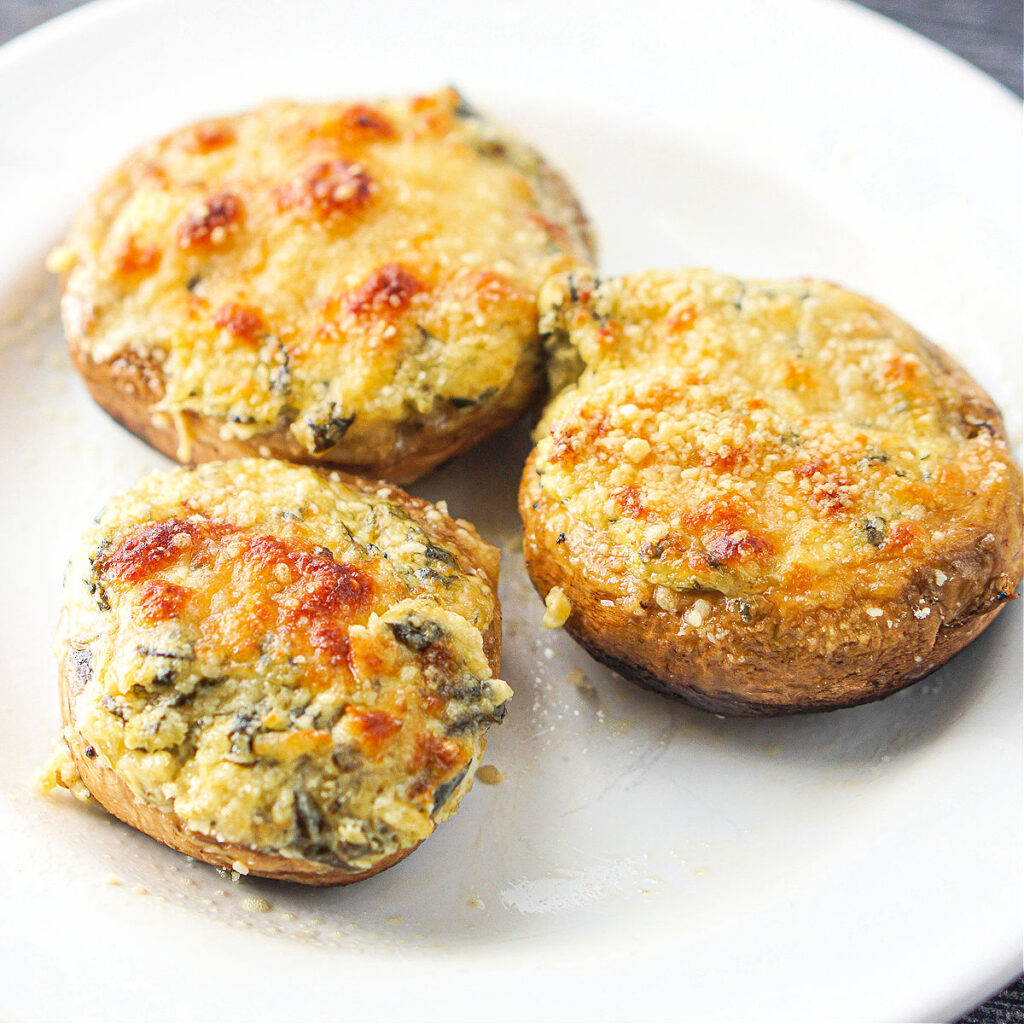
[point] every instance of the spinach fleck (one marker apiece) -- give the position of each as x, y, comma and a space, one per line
327, 432
416, 632
443, 792
875, 529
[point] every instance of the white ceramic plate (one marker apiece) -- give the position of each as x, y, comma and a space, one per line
641, 860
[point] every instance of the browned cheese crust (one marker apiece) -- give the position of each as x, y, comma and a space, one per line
764, 497
114, 794
343, 284
284, 671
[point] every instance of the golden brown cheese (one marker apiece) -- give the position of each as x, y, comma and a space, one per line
781, 440
334, 270
284, 661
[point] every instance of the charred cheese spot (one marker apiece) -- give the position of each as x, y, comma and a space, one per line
363, 121
270, 658
434, 755
901, 370
333, 187
386, 292
149, 549
209, 136
434, 759
903, 536
729, 547
343, 129
160, 601
436, 113
329, 640
136, 259
372, 729
494, 290
578, 434
212, 223
628, 500
242, 322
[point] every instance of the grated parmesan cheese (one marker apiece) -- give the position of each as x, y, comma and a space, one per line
557, 609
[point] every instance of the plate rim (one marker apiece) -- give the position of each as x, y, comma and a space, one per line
25, 46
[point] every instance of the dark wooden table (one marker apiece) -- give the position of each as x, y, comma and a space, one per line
988, 33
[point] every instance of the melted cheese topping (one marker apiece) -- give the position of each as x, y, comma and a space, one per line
282, 660
329, 267
755, 437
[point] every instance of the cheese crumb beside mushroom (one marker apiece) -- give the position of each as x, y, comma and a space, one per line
698, 612
61, 259
60, 771
490, 775
558, 609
